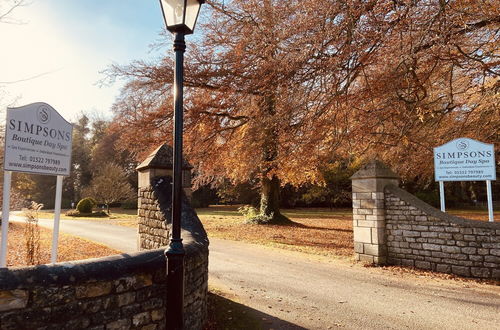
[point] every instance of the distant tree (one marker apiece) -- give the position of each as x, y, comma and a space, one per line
106, 149
35, 187
109, 185
336, 189
241, 193
81, 170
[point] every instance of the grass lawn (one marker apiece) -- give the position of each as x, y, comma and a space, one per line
317, 231
117, 216
70, 247
481, 215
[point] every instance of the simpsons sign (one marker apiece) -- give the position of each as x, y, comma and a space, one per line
464, 159
37, 140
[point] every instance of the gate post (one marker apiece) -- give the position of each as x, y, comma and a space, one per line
369, 211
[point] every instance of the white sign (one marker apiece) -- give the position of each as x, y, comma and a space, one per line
37, 140
464, 159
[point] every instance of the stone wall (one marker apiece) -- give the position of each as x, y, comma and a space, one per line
421, 236
392, 226
125, 291
153, 232
116, 292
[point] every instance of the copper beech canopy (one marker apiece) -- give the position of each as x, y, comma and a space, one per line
277, 88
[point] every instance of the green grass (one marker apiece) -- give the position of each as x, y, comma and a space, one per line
316, 213
116, 213
226, 211
231, 211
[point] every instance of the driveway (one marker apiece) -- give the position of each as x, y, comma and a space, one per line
300, 291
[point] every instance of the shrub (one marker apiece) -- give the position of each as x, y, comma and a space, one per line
86, 205
32, 234
76, 213
260, 219
248, 211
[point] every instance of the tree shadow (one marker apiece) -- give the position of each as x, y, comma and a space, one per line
224, 313
327, 229
294, 224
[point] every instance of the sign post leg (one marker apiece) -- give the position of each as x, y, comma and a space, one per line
57, 216
441, 196
7, 176
490, 201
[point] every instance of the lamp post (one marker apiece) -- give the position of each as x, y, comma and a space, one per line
180, 18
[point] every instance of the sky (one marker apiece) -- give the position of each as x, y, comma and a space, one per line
55, 50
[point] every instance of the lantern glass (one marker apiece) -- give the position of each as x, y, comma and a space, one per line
192, 10
173, 11
180, 15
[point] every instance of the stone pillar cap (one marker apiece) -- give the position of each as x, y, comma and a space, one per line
374, 169
162, 157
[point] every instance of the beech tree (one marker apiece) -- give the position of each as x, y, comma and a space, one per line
265, 94
274, 88
435, 79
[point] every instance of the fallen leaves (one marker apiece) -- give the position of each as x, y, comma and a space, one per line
70, 247
314, 231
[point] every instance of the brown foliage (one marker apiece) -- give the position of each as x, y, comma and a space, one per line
274, 88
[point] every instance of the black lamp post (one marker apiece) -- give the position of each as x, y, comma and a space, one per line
180, 18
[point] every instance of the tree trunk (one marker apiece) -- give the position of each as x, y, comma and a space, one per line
270, 202
270, 188
107, 207
270, 197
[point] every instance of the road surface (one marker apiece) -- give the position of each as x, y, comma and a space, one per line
295, 291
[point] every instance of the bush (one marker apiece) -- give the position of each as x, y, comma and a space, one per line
32, 234
76, 213
86, 205
248, 211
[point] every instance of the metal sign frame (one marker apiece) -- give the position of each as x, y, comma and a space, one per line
38, 140
465, 159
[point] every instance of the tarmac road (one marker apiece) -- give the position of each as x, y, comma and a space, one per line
117, 237
315, 293
294, 290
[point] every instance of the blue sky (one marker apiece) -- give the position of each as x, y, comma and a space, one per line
66, 43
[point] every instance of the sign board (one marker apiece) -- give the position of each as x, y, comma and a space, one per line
37, 140
464, 159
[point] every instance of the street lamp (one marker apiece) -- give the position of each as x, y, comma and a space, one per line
180, 18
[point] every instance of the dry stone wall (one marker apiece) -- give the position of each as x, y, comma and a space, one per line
153, 230
392, 226
117, 292
421, 236
125, 291
154, 227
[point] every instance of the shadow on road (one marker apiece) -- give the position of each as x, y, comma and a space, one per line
223, 313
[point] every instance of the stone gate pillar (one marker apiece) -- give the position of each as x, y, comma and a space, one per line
368, 211
153, 231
